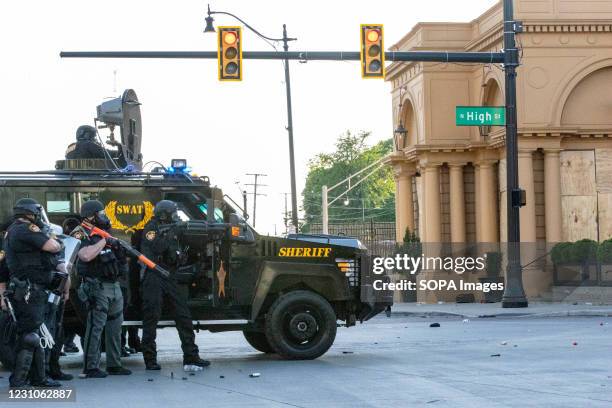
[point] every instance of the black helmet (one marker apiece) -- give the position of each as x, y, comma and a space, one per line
166, 210
91, 208
27, 206
85, 133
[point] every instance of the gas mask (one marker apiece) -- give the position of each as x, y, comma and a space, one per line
101, 221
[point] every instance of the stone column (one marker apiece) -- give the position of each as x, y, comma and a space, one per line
405, 207
552, 195
433, 225
488, 200
527, 213
457, 202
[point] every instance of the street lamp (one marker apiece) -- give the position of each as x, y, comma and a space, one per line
211, 29
400, 132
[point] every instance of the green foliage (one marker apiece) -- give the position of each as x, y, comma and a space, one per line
410, 246
411, 236
493, 263
604, 252
574, 252
373, 199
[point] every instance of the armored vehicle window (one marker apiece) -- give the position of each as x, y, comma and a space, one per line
57, 202
218, 211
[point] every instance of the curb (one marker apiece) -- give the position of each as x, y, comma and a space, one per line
568, 313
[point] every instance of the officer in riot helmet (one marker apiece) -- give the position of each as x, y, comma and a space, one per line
27, 249
160, 244
101, 262
86, 146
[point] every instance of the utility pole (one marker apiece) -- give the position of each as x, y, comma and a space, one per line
286, 218
256, 184
244, 204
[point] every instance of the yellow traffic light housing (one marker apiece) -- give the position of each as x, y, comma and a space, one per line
229, 53
372, 51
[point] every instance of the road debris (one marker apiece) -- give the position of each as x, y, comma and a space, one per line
495, 355
466, 320
504, 343
254, 375
434, 325
347, 352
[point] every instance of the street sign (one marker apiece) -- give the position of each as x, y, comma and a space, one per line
480, 116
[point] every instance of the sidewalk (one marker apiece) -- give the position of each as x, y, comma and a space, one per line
489, 310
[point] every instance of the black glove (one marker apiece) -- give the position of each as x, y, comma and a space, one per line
113, 243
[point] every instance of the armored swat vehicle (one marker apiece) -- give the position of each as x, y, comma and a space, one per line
286, 295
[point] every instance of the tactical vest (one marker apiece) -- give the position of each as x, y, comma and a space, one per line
104, 267
27, 263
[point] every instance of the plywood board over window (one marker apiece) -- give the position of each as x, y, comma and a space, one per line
604, 170
578, 173
578, 195
605, 215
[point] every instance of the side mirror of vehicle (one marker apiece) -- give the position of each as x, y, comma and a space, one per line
239, 230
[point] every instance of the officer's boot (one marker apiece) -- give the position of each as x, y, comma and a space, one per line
23, 361
195, 361
39, 378
55, 371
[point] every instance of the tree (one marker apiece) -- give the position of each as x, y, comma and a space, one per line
374, 199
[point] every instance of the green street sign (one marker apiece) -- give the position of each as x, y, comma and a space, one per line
480, 115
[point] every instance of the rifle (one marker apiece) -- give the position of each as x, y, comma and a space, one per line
93, 230
202, 229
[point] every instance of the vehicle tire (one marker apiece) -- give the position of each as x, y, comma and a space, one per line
258, 341
301, 325
7, 341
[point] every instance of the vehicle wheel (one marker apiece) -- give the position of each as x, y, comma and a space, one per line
8, 340
301, 325
258, 341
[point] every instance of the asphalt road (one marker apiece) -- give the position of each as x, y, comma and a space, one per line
387, 362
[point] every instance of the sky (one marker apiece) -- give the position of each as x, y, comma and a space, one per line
224, 129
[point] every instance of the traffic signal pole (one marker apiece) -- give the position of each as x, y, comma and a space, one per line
404, 56
514, 294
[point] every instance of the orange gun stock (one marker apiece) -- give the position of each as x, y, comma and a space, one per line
93, 230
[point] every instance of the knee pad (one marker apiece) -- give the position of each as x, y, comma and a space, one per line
31, 340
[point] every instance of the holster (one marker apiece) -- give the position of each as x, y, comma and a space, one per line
19, 289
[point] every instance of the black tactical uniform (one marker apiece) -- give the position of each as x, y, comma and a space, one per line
101, 291
30, 275
162, 246
86, 146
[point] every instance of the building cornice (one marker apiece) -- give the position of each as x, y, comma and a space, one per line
568, 26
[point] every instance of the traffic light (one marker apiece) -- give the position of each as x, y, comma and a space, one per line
372, 51
229, 54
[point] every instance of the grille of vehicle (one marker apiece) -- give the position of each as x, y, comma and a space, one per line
351, 269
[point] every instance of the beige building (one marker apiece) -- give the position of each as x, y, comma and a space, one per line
450, 181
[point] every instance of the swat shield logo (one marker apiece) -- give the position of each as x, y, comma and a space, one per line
129, 217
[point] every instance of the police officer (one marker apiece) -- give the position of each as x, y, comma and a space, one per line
27, 249
161, 245
86, 146
101, 261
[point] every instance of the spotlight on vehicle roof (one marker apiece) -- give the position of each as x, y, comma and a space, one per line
178, 164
